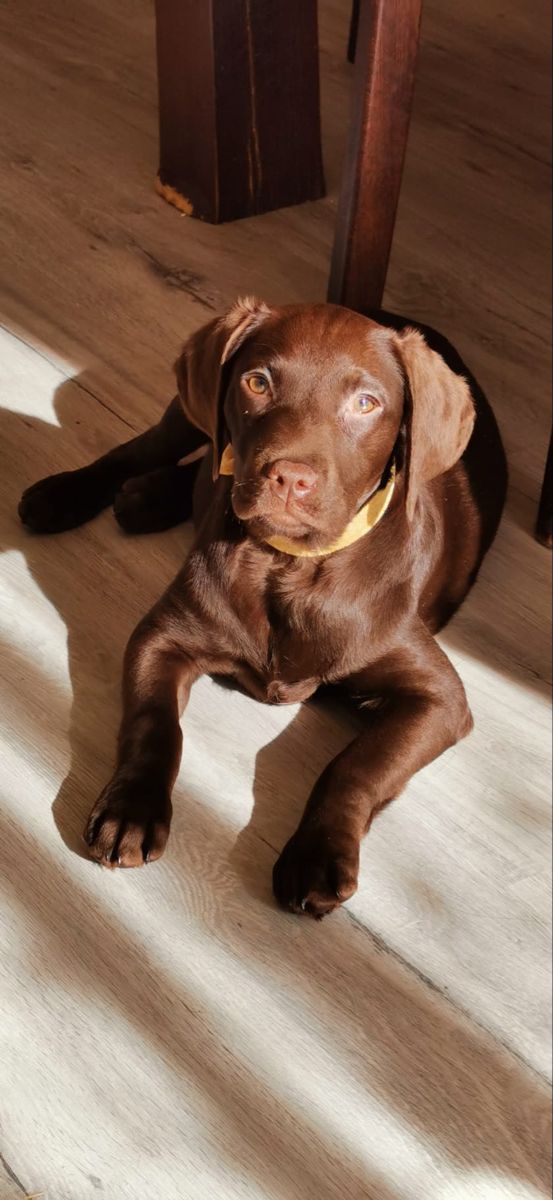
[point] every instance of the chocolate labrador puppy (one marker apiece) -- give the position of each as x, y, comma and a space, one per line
354, 481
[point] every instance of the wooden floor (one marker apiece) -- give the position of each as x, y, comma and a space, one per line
169, 1034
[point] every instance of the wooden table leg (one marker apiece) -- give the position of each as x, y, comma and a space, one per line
238, 105
544, 523
386, 53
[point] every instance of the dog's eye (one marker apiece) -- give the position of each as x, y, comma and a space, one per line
258, 384
363, 403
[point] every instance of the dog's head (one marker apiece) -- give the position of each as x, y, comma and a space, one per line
314, 400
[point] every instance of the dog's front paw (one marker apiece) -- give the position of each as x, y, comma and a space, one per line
153, 502
62, 502
316, 871
129, 824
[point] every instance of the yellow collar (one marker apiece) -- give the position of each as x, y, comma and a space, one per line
363, 521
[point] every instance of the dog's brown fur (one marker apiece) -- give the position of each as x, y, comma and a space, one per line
306, 459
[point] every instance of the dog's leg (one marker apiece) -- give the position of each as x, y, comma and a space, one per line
129, 825
156, 501
63, 501
425, 711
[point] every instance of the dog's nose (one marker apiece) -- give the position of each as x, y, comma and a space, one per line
291, 479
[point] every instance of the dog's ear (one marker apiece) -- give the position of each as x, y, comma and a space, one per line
200, 367
439, 413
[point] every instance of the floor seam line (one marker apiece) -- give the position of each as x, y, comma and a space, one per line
12, 1175
103, 403
384, 948
70, 378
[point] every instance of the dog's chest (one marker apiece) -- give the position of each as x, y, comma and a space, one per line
298, 625
310, 639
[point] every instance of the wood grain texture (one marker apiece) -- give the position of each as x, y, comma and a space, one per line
385, 34
238, 105
169, 1033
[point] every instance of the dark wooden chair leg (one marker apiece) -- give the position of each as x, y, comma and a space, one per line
387, 43
238, 105
544, 523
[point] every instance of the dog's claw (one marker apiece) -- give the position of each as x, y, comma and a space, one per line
129, 819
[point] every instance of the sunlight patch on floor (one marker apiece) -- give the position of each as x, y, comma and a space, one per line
30, 372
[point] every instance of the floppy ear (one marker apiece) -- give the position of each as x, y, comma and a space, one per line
199, 369
439, 413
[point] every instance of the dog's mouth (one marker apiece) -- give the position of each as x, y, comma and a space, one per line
314, 522
261, 528
277, 520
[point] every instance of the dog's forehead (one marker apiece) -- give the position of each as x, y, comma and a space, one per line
325, 339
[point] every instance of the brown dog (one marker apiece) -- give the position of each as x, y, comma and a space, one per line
363, 481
